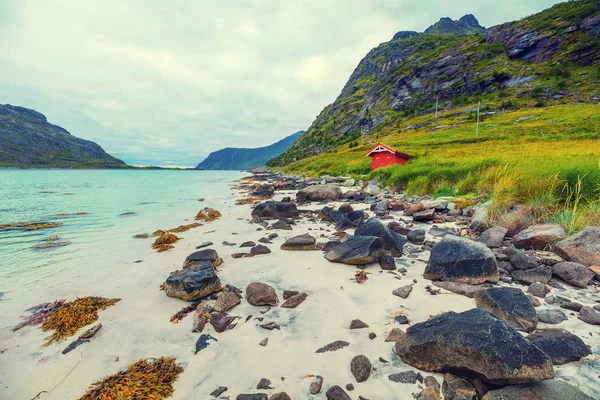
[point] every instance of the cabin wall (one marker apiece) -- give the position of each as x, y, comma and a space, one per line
384, 159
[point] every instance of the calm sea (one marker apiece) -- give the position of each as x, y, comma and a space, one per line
159, 200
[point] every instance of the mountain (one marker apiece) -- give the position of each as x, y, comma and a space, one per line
231, 158
28, 140
533, 58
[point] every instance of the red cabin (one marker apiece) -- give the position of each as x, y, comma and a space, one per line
383, 156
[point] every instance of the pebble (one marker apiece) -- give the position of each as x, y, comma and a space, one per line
360, 367
316, 385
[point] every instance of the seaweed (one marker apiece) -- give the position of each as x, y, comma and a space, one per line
208, 215
185, 228
179, 315
141, 236
39, 314
31, 225
247, 200
165, 242
145, 379
127, 213
68, 214
49, 244
74, 315
361, 277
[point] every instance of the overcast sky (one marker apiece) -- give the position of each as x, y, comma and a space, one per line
167, 82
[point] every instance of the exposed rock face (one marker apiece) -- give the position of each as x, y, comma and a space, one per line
457, 388
477, 343
461, 260
583, 247
300, 243
510, 305
357, 250
29, 140
548, 390
275, 210
493, 237
539, 237
467, 25
561, 346
319, 192
573, 273
261, 294
196, 281
392, 241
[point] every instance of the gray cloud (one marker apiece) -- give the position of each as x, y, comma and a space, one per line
168, 82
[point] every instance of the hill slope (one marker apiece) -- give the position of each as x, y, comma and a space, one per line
238, 158
28, 140
517, 61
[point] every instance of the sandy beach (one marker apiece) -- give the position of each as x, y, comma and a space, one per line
138, 327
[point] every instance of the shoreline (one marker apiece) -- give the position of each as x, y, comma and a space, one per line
138, 326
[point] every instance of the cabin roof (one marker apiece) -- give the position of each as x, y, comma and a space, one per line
380, 148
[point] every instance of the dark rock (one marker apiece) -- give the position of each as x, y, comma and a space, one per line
226, 301
248, 244
437, 232
573, 273
589, 315
416, 236
264, 342
259, 249
196, 281
583, 247
336, 393
457, 388
263, 384
539, 237
343, 225
280, 396
294, 301
424, 216
493, 237
400, 229
316, 385
254, 396
289, 293
275, 210
360, 367
493, 351
328, 214
460, 288
395, 335
551, 317
561, 346
202, 255
337, 345
270, 326
401, 319
319, 193
539, 274
392, 241
218, 391
372, 335
358, 324
357, 250
264, 240
571, 305
548, 390
346, 208
387, 263
349, 387
283, 225
203, 342
261, 294
538, 289
431, 381
330, 245
222, 322
510, 305
204, 244
404, 377
520, 260
301, 242
461, 260
403, 291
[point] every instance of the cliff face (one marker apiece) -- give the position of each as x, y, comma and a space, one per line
28, 140
238, 159
454, 62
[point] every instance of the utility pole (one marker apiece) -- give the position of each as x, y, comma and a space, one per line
477, 130
436, 105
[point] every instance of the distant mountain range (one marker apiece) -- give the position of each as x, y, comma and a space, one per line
231, 158
28, 140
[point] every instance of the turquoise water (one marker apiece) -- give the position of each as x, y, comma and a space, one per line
160, 200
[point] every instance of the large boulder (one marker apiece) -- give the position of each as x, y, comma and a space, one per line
196, 281
573, 273
330, 215
583, 247
549, 390
392, 241
474, 343
539, 236
275, 210
519, 260
510, 305
357, 250
493, 237
261, 294
461, 260
301, 242
561, 346
319, 192
203, 255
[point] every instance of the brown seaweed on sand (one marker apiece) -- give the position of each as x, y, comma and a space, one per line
145, 379
31, 225
361, 277
165, 242
247, 200
208, 215
179, 315
74, 315
185, 228
39, 314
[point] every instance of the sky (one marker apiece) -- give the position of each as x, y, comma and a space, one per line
166, 83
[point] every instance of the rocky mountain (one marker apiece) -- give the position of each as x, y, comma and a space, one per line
28, 140
458, 63
231, 158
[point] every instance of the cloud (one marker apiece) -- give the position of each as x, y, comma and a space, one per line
155, 83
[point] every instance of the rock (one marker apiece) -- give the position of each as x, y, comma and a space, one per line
548, 390
289, 293
261, 294
424, 216
401, 229
357, 250
222, 322
583, 247
403, 291
319, 193
336, 393
226, 301
461, 260
431, 381
248, 244
552, 316
401, 319
538, 289
203, 255
204, 244
571, 305
479, 220
358, 324
259, 249
196, 281
294, 301
493, 351
493, 237
301, 242
510, 305
534, 300
437, 232
392, 241
430, 393
372, 190
328, 214
283, 224
270, 326
280, 396
520, 260
589, 315
372, 335
460, 288
457, 388
218, 391
387, 263
337, 345
561, 346
349, 387
416, 236
437, 204
539, 237
264, 383
346, 208
254, 396
360, 367
538, 274
382, 207
264, 342
316, 385
573, 273
395, 335
275, 210
404, 377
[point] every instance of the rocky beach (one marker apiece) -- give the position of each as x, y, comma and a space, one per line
324, 288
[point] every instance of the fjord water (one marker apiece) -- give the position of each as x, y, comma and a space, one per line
160, 199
